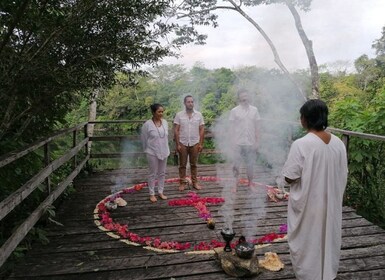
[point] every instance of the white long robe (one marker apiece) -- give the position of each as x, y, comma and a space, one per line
315, 205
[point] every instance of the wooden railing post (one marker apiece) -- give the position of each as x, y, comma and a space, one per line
345, 140
85, 136
86, 147
47, 160
74, 142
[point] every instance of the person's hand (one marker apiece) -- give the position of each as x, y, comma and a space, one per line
178, 148
200, 147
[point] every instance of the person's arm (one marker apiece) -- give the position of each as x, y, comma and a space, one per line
257, 130
176, 137
292, 169
201, 137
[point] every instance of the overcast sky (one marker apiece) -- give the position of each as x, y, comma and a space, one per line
340, 30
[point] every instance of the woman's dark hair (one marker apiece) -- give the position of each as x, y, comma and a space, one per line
315, 112
155, 107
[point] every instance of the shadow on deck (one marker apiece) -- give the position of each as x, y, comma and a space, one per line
79, 250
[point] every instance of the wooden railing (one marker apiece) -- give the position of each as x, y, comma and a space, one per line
17, 197
345, 137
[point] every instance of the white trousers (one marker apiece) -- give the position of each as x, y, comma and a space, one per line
157, 172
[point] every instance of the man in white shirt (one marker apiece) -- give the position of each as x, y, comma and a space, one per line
244, 119
189, 136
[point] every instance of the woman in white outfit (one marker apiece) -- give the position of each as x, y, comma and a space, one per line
154, 138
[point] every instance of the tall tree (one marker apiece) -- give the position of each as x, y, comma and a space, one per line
52, 48
379, 46
202, 12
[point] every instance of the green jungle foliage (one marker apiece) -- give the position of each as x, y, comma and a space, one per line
357, 103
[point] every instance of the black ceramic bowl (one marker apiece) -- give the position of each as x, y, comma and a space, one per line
245, 250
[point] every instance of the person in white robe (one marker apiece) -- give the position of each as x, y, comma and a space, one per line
316, 169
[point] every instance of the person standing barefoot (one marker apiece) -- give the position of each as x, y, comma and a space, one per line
189, 136
154, 136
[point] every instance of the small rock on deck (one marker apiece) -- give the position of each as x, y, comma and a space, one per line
79, 250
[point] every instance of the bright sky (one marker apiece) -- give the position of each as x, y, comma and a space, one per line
340, 30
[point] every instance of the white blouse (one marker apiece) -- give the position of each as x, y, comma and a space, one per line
155, 139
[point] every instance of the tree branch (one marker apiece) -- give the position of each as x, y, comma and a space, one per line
207, 10
13, 25
55, 32
23, 127
309, 50
8, 120
26, 40
8, 113
277, 59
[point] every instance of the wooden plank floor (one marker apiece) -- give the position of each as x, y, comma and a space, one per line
79, 250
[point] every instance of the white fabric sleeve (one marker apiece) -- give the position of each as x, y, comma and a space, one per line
202, 122
294, 163
177, 119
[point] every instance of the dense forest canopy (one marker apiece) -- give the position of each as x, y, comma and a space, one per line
51, 50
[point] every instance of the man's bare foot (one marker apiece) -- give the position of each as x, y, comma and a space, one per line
153, 198
162, 196
197, 187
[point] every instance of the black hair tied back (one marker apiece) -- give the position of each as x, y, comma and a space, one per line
315, 112
155, 107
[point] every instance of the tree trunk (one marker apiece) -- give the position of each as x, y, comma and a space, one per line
277, 59
309, 51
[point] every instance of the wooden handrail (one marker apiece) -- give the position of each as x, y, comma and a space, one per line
17, 197
357, 134
12, 156
8, 204
18, 235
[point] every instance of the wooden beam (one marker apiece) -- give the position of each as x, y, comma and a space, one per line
117, 155
12, 242
74, 142
12, 156
8, 204
47, 160
114, 138
358, 134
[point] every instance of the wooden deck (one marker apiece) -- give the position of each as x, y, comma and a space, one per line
79, 250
